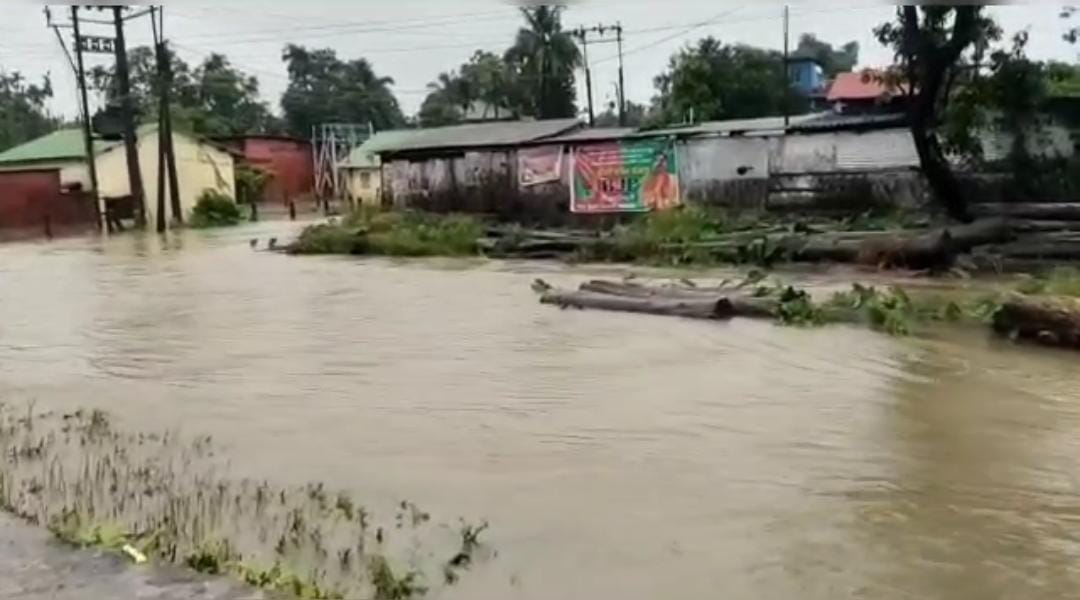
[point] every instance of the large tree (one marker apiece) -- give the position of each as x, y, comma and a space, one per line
714, 81
326, 89
485, 80
832, 61
930, 42
215, 98
542, 60
23, 116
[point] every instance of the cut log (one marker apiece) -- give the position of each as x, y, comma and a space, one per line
635, 290
713, 309
1052, 321
1037, 226
1065, 211
1047, 250
964, 238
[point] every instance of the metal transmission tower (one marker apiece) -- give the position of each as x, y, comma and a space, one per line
332, 143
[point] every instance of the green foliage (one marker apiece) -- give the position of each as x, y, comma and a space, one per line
23, 115
486, 80
326, 89
71, 528
716, 81
659, 236
214, 98
1061, 281
388, 586
393, 234
214, 209
542, 61
250, 183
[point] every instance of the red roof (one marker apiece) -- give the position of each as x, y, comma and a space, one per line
857, 86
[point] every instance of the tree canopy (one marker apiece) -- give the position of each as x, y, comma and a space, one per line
484, 81
215, 98
716, 81
542, 62
22, 110
326, 89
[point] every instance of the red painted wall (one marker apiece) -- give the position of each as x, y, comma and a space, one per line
288, 160
30, 199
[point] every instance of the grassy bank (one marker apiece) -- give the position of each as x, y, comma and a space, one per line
393, 234
171, 500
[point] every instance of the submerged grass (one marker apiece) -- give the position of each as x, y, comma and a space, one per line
409, 234
170, 500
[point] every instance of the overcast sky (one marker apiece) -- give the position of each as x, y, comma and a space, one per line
413, 40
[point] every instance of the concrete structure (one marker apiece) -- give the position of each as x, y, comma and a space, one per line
288, 161
362, 169
806, 75
200, 166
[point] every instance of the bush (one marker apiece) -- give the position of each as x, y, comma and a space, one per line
214, 209
368, 231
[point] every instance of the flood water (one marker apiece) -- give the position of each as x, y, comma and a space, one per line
615, 456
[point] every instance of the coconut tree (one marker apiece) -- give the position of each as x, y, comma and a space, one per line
542, 62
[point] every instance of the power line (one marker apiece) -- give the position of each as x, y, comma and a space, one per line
668, 38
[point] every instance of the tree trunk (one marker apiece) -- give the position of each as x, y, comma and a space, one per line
1052, 321
717, 308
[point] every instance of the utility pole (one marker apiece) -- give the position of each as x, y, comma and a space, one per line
601, 31
88, 135
131, 143
622, 84
166, 152
786, 75
579, 33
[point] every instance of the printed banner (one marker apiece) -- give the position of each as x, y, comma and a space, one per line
539, 165
633, 176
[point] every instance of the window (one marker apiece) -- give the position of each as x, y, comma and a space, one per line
365, 179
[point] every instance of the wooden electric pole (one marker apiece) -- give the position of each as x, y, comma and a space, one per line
88, 135
580, 34
131, 142
622, 83
166, 155
787, 75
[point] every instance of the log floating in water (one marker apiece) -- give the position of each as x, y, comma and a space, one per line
694, 303
1066, 211
1052, 321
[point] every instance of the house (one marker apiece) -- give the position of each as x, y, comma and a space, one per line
287, 160
865, 93
470, 167
361, 171
200, 166
807, 76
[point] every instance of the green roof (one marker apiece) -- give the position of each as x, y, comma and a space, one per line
366, 155
63, 144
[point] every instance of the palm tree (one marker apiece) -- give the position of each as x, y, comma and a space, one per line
543, 59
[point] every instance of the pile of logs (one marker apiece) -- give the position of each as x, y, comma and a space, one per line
913, 249
1052, 321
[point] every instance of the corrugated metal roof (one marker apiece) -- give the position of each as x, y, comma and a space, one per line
479, 135
594, 135
734, 126
63, 144
833, 121
367, 154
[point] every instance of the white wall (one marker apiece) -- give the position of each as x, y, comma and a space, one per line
199, 167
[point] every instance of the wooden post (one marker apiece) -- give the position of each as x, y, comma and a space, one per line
88, 136
131, 142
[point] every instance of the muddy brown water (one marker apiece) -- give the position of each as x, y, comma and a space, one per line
616, 456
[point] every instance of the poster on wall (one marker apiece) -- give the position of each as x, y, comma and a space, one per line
631, 176
539, 165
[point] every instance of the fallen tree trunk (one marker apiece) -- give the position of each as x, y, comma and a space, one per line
636, 290
1066, 211
1052, 321
711, 309
721, 307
